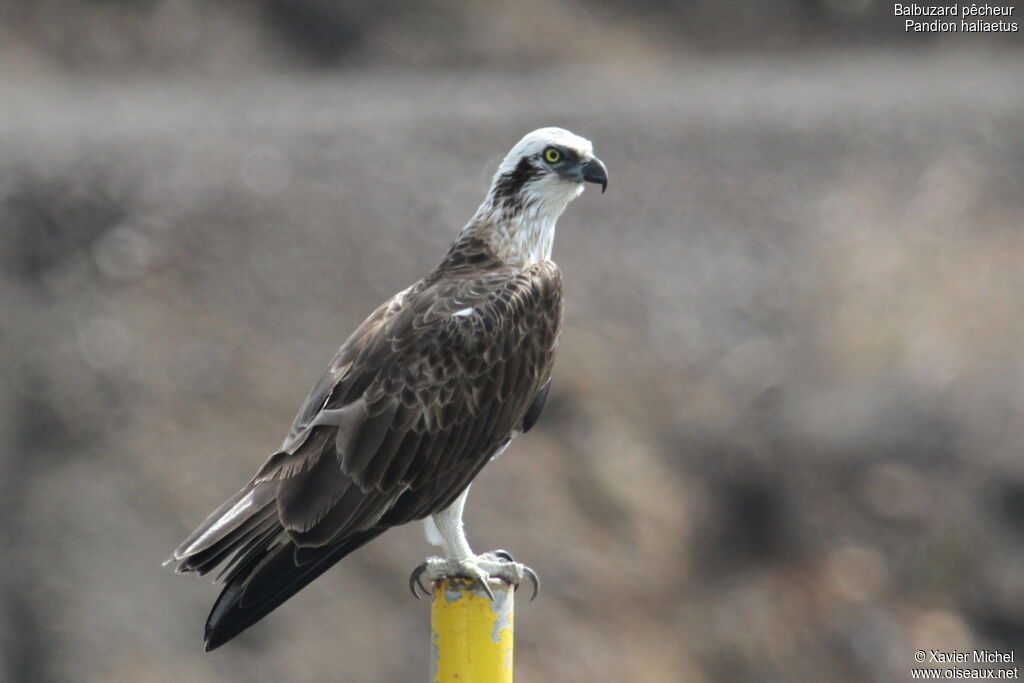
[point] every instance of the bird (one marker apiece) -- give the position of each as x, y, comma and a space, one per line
432, 386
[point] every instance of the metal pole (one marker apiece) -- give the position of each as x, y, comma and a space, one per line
471, 637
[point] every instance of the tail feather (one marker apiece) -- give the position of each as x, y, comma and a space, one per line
227, 523
257, 544
234, 545
268, 575
262, 566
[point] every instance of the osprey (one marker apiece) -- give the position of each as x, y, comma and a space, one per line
430, 388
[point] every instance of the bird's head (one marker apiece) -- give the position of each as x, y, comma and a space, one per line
538, 178
548, 167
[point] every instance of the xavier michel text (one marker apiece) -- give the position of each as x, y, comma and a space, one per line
974, 18
976, 656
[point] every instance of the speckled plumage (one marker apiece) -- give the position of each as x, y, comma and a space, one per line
422, 395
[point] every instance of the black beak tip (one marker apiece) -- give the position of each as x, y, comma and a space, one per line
594, 171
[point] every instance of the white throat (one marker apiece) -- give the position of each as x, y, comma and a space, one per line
524, 234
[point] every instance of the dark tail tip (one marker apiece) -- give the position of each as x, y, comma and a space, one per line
268, 579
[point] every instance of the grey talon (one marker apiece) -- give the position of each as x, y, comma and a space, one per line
534, 579
487, 589
504, 555
414, 581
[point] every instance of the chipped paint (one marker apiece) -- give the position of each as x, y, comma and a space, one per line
452, 592
472, 638
502, 608
435, 655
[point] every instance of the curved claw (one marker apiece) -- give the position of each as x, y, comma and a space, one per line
534, 579
530, 574
487, 589
478, 570
414, 581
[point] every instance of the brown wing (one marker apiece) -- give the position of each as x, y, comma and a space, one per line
413, 405
416, 403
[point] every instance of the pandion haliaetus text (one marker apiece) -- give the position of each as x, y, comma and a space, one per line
432, 386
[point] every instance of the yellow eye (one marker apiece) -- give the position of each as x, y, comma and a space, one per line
552, 155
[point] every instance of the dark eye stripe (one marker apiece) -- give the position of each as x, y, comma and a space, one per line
506, 191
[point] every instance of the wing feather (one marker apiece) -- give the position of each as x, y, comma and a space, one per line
410, 409
399, 464
357, 453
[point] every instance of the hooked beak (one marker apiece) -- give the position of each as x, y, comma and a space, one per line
594, 172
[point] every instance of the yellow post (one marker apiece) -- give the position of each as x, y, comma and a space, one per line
471, 637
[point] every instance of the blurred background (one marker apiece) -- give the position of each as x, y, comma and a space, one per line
784, 437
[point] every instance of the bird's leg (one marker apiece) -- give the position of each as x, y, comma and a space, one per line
445, 529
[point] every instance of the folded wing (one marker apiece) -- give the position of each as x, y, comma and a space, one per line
414, 404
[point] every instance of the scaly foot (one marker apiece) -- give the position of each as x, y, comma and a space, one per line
480, 569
